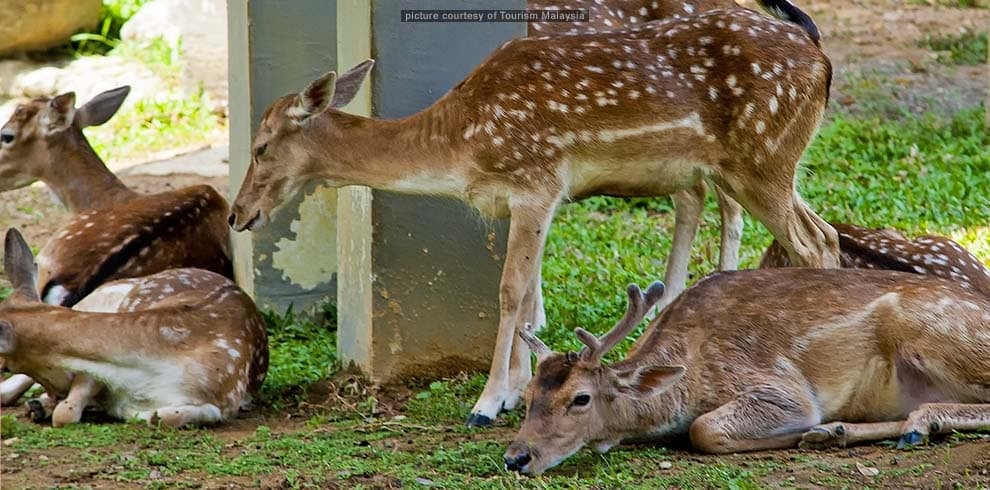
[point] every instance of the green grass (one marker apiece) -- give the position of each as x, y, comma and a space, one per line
967, 48
921, 174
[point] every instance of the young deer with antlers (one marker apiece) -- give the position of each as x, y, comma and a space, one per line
869, 248
115, 232
728, 95
183, 347
770, 358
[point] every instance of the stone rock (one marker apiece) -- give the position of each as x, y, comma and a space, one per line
201, 25
27, 25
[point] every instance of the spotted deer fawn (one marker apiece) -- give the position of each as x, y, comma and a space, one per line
871, 248
727, 95
770, 358
115, 232
688, 203
181, 347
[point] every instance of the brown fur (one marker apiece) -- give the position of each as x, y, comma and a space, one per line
116, 232
611, 15
182, 334
869, 248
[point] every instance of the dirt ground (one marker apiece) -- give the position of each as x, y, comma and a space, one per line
875, 41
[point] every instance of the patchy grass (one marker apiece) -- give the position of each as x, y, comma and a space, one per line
921, 174
966, 48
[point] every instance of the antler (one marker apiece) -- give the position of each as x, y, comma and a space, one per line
535, 344
639, 304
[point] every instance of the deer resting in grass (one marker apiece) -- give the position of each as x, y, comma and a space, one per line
115, 232
868, 248
727, 95
766, 359
181, 347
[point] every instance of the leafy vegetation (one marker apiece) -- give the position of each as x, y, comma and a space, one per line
967, 48
106, 36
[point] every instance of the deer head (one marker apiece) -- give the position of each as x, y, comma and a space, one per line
570, 401
39, 132
280, 165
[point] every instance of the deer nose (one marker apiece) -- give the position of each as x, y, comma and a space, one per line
516, 458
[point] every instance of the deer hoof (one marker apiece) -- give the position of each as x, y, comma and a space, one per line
479, 420
36, 411
911, 439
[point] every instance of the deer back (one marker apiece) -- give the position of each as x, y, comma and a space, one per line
148, 234
872, 248
616, 14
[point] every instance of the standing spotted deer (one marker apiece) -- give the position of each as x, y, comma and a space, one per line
115, 232
766, 359
607, 15
726, 95
867, 248
183, 347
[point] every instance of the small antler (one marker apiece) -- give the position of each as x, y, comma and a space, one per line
639, 305
535, 344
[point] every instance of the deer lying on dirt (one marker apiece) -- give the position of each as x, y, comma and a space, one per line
181, 347
770, 358
688, 203
868, 248
728, 95
115, 232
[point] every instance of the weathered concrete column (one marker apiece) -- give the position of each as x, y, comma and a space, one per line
277, 47
418, 277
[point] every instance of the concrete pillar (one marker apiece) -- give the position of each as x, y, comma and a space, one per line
418, 277
277, 47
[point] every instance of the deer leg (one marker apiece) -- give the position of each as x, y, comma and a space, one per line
771, 416
942, 418
843, 434
13, 388
39, 409
808, 239
521, 364
528, 227
732, 230
186, 415
81, 393
688, 204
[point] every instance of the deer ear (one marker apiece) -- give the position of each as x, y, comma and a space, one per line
315, 98
59, 113
19, 264
349, 83
649, 381
102, 107
7, 338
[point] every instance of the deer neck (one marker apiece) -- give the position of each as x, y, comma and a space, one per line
79, 179
414, 155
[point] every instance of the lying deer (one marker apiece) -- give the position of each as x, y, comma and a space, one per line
181, 347
728, 95
768, 359
115, 232
868, 248
688, 203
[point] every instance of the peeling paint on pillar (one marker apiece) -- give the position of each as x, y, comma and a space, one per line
309, 258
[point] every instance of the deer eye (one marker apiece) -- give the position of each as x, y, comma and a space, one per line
260, 150
581, 400
6, 136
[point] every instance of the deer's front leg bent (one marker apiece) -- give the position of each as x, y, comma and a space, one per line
81, 393
528, 226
